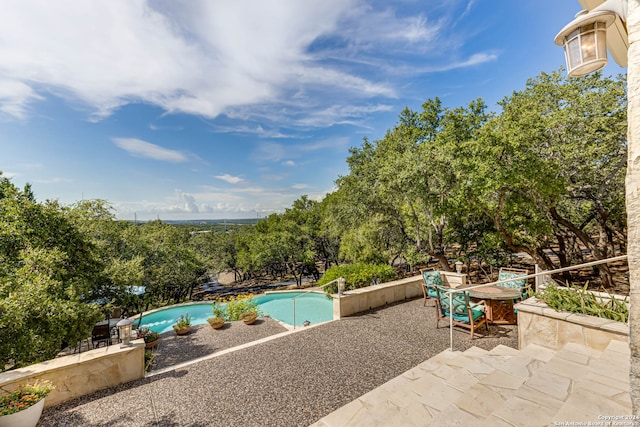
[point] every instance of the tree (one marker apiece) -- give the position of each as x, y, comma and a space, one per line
48, 269
557, 152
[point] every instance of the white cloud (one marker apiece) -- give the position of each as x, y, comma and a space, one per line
299, 186
229, 178
288, 163
248, 59
140, 148
189, 202
15, 97
475, 59
194, 57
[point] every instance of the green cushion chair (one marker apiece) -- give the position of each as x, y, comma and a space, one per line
430, 279
462, 311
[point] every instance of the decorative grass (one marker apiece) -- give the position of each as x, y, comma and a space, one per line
577, 299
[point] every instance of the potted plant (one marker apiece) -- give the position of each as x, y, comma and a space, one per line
183, 325
22, 407
150, 338
219, 315
250, 315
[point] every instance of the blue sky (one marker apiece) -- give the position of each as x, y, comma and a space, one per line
233, 109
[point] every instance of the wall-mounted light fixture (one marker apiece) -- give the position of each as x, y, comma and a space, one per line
584, 38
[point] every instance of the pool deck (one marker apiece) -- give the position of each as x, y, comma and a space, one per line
293, 379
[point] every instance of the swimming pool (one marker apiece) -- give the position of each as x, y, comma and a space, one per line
310, 306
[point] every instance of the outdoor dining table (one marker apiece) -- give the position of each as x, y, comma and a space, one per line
499, 303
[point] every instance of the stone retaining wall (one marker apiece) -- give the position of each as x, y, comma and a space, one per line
539, 324
80, 374
363, 299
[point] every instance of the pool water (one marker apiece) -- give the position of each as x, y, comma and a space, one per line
310, 306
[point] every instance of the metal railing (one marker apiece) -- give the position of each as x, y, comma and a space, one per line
340, 282
536, 276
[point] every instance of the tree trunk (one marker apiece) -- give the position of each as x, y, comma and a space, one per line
633, 197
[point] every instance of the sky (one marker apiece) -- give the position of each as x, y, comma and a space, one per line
211, 109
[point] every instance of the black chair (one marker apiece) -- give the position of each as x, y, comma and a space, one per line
101, 333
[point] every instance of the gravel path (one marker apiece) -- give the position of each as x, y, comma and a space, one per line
203, 340
293, 380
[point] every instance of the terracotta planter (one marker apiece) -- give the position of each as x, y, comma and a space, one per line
216, 322
249, 319
182, 331
152, 343
25, 418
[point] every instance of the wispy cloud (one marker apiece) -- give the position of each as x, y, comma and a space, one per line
229, 178
473, 60
140, 148
197, 57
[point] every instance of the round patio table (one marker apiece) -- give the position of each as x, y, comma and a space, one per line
499, 303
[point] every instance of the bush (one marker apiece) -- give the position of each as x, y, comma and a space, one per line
357, 276
237, 306
579, 300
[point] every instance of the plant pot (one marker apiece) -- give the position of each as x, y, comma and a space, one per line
182, 331
216, 322
152, 343
249, 319
26, 418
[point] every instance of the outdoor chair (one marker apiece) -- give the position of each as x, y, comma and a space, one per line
430, 279
463, 312
512, 273
116, 313
100, 333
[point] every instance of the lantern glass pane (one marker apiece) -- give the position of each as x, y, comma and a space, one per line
572, 49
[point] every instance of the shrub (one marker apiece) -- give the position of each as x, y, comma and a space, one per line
237, 306
357, 275
579, 300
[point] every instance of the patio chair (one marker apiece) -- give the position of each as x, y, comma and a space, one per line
430, 279
100, 333
512, 273
462, 311
116, 313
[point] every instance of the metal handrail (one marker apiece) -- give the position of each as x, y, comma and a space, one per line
451, 291
339, 280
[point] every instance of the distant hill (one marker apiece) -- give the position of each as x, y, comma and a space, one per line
241, 221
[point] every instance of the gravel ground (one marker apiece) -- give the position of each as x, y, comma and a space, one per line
203, 340
293, 380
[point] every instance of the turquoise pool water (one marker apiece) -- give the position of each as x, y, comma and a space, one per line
314, 307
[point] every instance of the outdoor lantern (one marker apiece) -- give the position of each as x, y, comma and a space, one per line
124, 328
584, 38
340, 286
459, 267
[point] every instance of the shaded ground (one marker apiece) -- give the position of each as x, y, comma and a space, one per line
293, 380
203, 340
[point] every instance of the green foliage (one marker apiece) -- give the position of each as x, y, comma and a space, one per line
24, 396
148, 359
236, 307
579, 300
148, 335
219, 309
183, 321
357, 275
